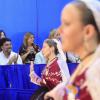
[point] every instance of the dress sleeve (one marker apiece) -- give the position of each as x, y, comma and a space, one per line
35, 78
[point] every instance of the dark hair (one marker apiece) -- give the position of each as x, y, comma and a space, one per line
52, 43
3, 40
86, 15
1, 32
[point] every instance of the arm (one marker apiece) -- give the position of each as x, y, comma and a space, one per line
23, 52
34, 77
23, 56
62, 92
13, 59
57, 93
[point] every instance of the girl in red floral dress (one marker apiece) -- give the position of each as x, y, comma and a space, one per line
55, 72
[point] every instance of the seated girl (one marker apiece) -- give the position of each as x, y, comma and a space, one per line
55, 72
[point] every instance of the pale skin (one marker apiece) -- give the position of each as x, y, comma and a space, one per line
73, 33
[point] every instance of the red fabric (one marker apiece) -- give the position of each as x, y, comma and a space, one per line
65, 96
83, 93
51, 75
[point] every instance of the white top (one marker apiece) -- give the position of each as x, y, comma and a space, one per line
4, 60
73, 58
39, 58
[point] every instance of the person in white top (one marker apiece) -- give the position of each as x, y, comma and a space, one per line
7, 56
39, 58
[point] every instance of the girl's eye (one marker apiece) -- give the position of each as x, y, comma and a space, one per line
66, 23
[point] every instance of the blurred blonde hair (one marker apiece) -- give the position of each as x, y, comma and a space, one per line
52, 34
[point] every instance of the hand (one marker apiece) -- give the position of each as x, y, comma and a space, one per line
13, 59
57, 93
31, 66
34, 77
30, 50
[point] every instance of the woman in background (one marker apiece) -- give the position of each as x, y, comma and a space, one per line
28, 49
2, 35
54, 73
80, 33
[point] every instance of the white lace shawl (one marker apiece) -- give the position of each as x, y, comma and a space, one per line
64, 70
93, 77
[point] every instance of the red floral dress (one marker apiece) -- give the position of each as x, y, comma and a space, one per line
83, 93
51, 76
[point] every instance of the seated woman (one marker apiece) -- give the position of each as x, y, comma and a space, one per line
80, 33
28, 49
54, 73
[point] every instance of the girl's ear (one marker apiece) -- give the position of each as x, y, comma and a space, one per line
89, 31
